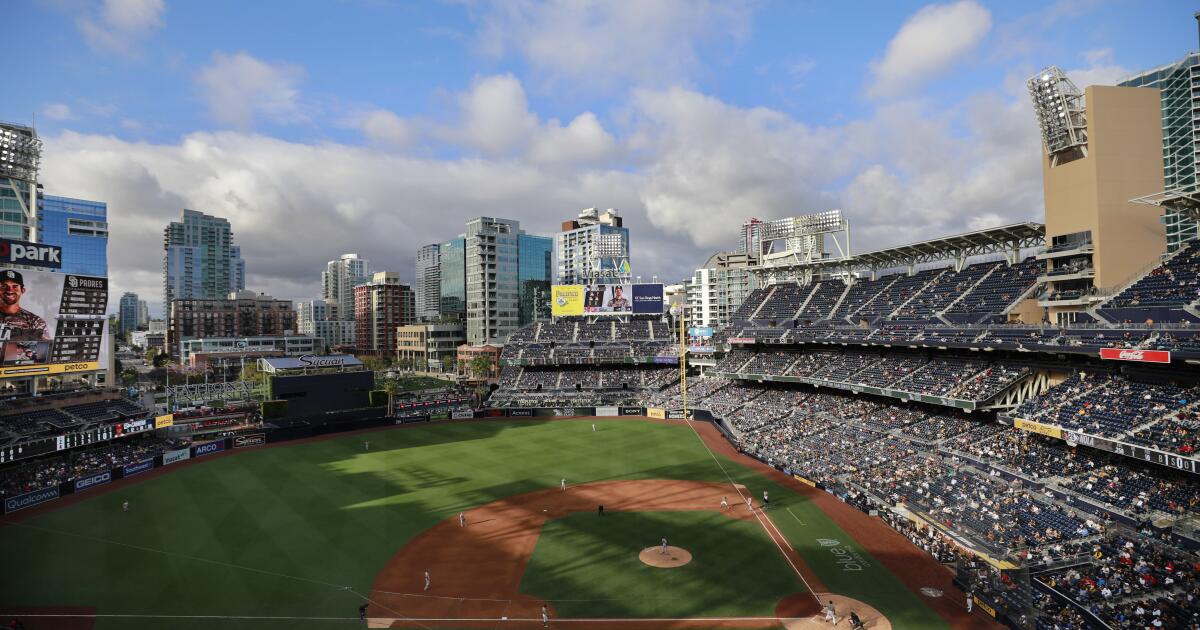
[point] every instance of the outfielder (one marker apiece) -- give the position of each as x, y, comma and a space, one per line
428, 579
563, 484
545, 616
766, 500
125, 506
462, 520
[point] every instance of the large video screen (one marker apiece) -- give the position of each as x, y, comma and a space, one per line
606, 299
51, 322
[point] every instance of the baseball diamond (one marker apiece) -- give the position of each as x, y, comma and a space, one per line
299, 535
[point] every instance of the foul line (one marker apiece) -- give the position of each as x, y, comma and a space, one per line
789, 511
756, 514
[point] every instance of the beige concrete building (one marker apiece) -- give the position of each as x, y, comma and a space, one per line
431, 347
1097, 241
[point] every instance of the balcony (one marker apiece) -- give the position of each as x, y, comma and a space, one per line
1070, 249
1069, 298
1086, 273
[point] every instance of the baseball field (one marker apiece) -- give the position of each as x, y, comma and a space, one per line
301, 535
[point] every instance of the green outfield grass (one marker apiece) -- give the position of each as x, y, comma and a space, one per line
736, 571
300, 530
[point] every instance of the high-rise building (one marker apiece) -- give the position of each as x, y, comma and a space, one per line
240, 314
143, 315
380, 307
1178, 83
534, 276
80, 228
427, 282
201, 261
494, 278
127, 313
716, 290
452, 279
338, 282
316, 318
593, 249
20, 155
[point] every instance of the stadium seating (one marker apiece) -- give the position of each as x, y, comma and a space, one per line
1176, 282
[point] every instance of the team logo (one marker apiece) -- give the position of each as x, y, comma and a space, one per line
829, 542
561, 300
73, 281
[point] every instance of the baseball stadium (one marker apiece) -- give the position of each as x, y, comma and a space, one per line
989, 429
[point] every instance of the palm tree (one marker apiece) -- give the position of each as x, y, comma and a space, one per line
391, 386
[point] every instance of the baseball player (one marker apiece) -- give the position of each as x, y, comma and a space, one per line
766, 500
724, 503
855, 622
664, 546
462, 520
125, 506
750, 503
366, 445
428, 579
593, 427
831, 613
545, 617
970, 602
563, 485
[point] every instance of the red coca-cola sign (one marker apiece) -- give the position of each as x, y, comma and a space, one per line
1126, 354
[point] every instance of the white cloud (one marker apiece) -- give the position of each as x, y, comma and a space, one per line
583, 141
239, 88
932, 40
381, 126
1101, 69
592, 44
58, 111
120, 25
495, 115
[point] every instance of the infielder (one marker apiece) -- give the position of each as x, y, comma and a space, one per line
545, 616
766, 500
462, 520
664, 546
724, 503
428, 579
831, 613
750, 503
563, 484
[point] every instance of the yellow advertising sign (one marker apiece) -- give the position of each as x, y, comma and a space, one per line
987, 609
655, 412
1037, 427
162, 422
44, 370
807, 482
566, 299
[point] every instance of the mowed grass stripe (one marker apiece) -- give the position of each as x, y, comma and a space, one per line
327, 510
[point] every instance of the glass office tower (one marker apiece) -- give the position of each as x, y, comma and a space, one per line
534, 260
80, 228
452, 270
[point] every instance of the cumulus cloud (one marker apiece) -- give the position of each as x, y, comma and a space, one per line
932, 40
121, 25
1101, 69
592, 44
381, 126
58, 111
240, 88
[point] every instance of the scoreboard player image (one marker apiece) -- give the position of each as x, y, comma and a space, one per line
607, 298
17, 323
25, 353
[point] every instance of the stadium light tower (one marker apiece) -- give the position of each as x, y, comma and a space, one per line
1059, 107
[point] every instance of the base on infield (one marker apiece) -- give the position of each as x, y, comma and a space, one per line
871, 618
674, 557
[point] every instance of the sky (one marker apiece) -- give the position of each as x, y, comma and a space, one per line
377, 126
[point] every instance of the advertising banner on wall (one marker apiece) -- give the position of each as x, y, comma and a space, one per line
606, 299
170, 457
656, 412
51, 323
566, 300
1145, 356
30, 499
93, 480
607, 411
30, 254
208, 449
140, 467
253, 439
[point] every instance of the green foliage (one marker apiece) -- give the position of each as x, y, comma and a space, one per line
481, 365
274, 409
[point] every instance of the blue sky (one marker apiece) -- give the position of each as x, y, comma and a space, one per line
376, 126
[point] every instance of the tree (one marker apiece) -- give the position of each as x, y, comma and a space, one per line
447, 364
481, 365
391, 386
376, 363
151, 354
129, 377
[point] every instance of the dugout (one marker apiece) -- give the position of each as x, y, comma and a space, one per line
313, 384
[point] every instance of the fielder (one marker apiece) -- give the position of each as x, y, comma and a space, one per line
750, 503
724, 503
766, 500
125, 506
428, 579
593, 427
462, 520
664, 546
545, 617
563, 484
831, 613
366, 445
970, 602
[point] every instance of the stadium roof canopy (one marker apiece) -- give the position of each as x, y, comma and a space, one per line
1006, 239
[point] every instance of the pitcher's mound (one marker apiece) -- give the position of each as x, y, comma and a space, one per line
675, 557
871, 618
